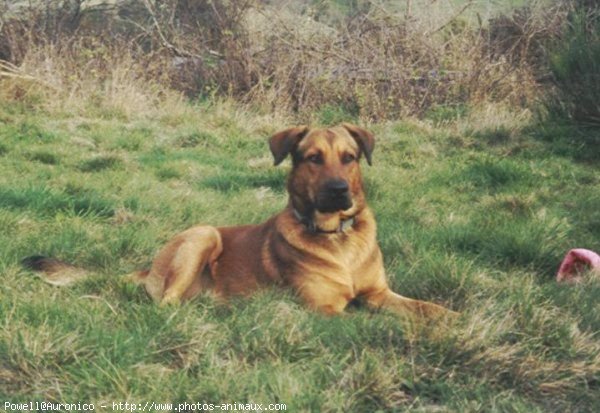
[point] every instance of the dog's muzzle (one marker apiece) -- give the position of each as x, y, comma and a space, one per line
334, 196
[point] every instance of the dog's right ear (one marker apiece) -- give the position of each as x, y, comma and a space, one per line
284, 142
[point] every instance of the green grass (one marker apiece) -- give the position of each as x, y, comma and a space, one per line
477, 222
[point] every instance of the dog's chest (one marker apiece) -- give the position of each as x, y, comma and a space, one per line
345, 259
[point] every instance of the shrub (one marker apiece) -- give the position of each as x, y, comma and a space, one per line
372, 61
575, 66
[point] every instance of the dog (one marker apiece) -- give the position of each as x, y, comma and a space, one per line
322, 245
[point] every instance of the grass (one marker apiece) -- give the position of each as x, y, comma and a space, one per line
472, 216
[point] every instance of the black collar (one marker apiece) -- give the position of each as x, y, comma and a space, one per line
345, 224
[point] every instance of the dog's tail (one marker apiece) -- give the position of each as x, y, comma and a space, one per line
54, 271
61, 273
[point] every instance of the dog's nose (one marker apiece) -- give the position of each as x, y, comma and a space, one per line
337, 187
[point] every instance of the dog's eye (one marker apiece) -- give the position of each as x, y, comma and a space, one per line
347, 158
316, 158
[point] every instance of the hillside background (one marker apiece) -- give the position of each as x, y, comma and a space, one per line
368, 59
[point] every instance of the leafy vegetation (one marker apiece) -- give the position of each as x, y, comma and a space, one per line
375, 60
576, 66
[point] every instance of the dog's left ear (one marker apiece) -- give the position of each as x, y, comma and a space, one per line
282, 143
364, 138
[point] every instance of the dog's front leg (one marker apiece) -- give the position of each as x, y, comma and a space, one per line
326, 297
407, 307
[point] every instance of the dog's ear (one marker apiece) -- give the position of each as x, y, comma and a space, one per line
364, 138
284, 142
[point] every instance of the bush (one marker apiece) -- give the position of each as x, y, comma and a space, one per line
575, 66
372, 61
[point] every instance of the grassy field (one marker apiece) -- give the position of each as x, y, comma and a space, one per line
473, 214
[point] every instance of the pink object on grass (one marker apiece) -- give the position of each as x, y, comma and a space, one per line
574, 262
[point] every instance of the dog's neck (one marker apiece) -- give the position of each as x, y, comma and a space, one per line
331, 224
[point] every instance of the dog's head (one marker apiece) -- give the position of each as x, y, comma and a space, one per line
326, 176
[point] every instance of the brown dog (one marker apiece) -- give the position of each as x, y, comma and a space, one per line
323, 244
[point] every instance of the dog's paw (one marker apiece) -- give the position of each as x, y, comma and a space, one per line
170, 300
